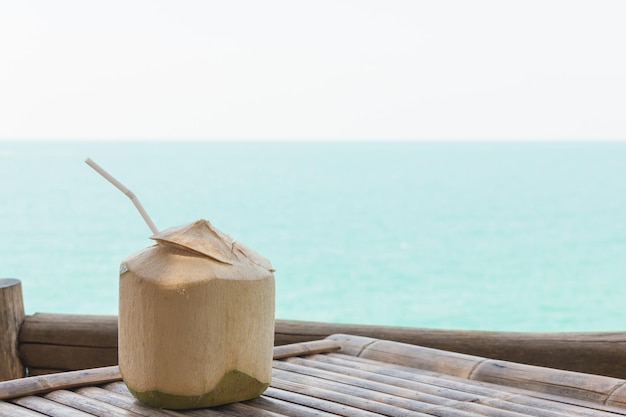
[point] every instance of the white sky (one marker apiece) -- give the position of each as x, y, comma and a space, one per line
318, 69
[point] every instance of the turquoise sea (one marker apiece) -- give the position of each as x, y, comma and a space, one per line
496, 236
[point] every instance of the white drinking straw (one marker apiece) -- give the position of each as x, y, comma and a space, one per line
126, 191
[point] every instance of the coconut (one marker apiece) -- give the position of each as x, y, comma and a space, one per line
196, 319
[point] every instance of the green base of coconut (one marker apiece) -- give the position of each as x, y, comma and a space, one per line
234, 386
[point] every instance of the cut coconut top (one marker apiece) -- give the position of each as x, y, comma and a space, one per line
202, 238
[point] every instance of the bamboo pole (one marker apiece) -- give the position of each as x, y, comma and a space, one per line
305, 348
11, 318
66, 380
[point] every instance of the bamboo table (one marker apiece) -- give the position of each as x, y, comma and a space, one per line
348, 376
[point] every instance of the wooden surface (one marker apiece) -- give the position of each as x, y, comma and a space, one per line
353, 376
11, 318
57, 342
575, 385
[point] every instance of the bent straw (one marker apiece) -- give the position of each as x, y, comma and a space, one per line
126, 191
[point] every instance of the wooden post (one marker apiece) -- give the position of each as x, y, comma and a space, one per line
11, 318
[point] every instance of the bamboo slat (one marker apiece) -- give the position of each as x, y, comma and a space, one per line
89, 405
563, 383
126, 402
233, 410
305, 348
287, 408
118, 387
48, 407
12, 410
316, 402
618, 397
66, 380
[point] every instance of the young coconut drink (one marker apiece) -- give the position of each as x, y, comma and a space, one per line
196, 319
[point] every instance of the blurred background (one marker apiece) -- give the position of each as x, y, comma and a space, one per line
433, 164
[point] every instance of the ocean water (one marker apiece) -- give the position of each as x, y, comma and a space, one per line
493, 236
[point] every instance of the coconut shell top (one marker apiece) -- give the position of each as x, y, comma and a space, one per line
201, 238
